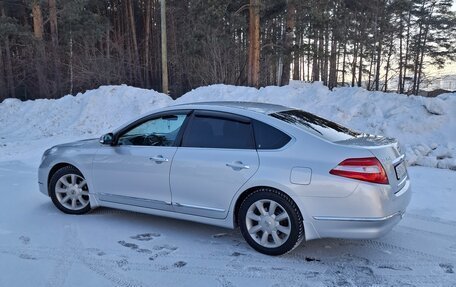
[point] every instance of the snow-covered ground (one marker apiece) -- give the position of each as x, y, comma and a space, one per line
40, 246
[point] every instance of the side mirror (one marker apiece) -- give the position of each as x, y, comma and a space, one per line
107, 139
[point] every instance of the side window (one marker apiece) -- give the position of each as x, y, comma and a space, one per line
267, 137
212, 132
155, 132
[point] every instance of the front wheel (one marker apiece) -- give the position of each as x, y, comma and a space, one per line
69, 191
271, 222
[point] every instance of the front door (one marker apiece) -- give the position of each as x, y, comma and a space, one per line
135, 171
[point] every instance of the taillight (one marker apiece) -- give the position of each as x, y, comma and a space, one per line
367, 169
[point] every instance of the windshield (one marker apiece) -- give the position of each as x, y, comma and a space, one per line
315, 125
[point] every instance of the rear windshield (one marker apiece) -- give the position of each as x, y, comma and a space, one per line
315, 125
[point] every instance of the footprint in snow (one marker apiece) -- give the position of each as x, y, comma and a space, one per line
447, 267
123, 264
163, 250
180, 264
237, 254
128, 245
395, 268
24, 239
166, 246
145, 236
218, 235
133, 246
27, 256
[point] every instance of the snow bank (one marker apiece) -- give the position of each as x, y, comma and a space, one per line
426, 127
93, 112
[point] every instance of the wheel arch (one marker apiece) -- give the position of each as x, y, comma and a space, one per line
55, 168
243, 195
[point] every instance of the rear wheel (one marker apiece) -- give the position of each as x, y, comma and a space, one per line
271, 222
69, 191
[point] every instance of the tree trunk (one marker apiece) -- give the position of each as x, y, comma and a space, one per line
333, 63
378, 64
9, 68
134, 41
418, 50
315, 57
368, 87
308, 56
55, 45
288, 43
164, 49
71, 64
407, 50
53, 21
360, 68
40, 51
147, 44
326, 56
343, 64
388, 63
3, 88
296, 61
37, 20
320, 54
353, 72
420, 69
253, 74
400, 88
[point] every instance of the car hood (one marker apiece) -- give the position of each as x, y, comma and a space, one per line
80, 144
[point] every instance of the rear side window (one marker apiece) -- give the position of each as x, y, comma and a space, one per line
320, 127
214, 132
267, 137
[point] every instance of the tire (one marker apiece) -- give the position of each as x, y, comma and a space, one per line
285, 220
69, 191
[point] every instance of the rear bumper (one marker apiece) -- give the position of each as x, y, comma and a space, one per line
356, 227
370, 211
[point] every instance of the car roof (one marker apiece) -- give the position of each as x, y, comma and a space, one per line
263, 108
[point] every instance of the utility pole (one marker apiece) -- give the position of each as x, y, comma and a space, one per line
164, 49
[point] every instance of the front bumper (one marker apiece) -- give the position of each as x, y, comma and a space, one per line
43, 171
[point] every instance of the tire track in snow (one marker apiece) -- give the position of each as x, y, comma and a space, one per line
65, 259
432, 219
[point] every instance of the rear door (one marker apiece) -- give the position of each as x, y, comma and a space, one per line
216, 157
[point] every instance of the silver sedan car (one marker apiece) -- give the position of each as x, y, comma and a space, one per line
281, 174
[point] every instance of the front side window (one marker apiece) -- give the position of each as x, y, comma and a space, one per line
161, 131
214, 132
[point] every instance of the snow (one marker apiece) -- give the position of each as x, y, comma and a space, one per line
425, 127
109, 247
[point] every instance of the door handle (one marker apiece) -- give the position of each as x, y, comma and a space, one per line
159, 159
237, 165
